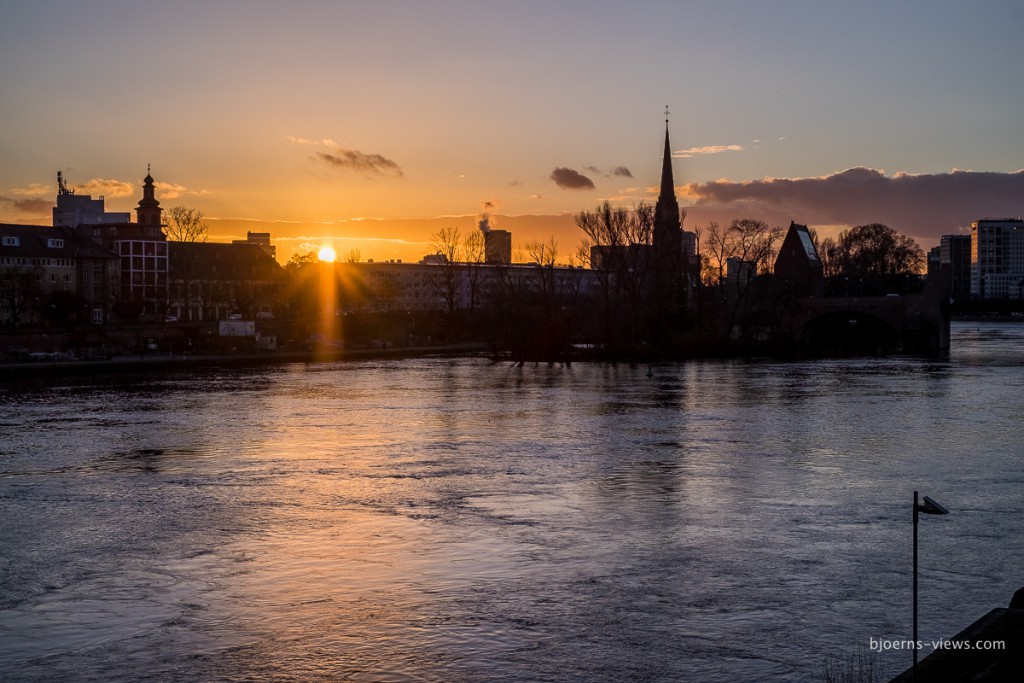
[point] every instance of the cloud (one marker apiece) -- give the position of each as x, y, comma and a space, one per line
34, 190
101, 187
33, 206
171, 190
354, 160
924, 206
619, 171
296, 140
569, 179
705, 151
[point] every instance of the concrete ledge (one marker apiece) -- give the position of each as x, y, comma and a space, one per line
974, 665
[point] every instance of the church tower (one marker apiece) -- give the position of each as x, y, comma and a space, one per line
667, 239
148, 213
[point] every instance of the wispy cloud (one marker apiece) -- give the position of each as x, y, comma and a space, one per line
622, 172
570, 179
113, 189
295, 140
922, 205
354, 160
172, 190
705, 151
34, 190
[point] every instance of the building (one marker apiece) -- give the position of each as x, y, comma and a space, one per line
671, 257
215, 280
798, 262
73, 210
997, 259
54, 273
261, 239
955, 252
497, 247
386, 286
142, 248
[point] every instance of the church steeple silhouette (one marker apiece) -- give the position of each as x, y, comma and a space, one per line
667, 238
667, 208
148, 213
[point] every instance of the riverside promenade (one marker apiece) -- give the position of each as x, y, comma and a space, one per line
159, 362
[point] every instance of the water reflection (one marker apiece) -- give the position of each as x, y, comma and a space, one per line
461, 520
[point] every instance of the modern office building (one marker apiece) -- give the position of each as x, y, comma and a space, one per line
997, 259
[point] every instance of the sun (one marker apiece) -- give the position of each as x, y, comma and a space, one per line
326, 254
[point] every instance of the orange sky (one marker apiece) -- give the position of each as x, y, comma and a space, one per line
305, 118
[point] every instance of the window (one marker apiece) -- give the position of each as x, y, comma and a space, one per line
53, 243
11, 241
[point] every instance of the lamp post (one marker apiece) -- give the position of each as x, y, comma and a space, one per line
929, 507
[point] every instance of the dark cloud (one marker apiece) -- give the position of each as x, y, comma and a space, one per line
33, 205
569, 179
924, 206
354, 160
620, 171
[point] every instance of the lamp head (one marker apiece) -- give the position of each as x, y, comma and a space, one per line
930, 507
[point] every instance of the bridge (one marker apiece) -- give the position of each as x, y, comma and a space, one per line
913, 323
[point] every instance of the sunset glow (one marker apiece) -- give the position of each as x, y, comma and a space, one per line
459, 113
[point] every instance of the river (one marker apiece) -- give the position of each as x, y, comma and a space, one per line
462, 520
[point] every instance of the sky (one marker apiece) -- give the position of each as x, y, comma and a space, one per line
371, 125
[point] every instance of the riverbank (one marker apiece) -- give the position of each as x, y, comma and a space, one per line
148, 362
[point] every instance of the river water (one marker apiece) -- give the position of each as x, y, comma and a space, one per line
459, 520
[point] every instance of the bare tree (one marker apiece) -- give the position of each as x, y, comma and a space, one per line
732, 257
447, 244
618, 240
746, 242
475, 252
186, 224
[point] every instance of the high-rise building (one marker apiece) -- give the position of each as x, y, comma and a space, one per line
498, 247
955, 252
997, 258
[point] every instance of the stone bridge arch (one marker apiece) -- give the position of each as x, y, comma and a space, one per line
851, 331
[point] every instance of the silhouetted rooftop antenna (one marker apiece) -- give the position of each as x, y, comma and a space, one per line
62, 188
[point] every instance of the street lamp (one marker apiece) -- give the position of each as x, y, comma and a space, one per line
929, 507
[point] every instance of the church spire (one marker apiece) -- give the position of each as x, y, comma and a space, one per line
668, 187
148, 212
666, 211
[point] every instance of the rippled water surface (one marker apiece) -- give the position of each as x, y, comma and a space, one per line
458, 520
